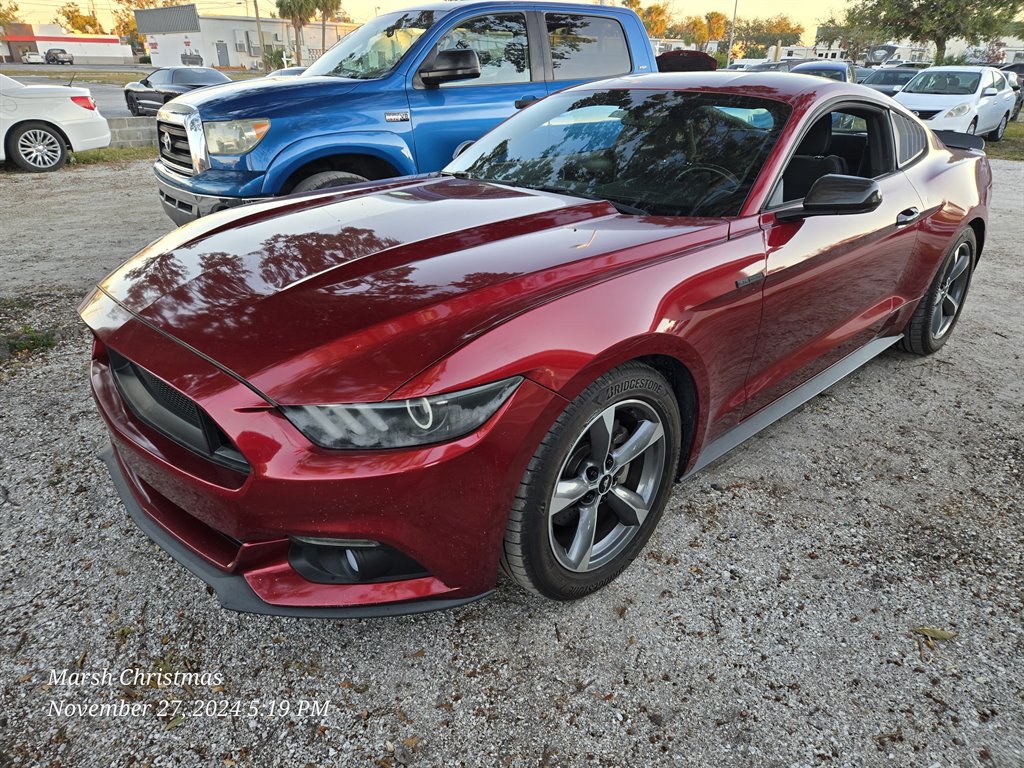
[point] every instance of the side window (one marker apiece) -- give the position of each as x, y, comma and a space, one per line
500, 42
910, 139
586, 47
1000, 81
160, 77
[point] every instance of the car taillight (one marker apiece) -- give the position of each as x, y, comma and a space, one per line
84, 101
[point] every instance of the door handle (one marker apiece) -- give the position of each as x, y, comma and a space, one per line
908, 216
526, 101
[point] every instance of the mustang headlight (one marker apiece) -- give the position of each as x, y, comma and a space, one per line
958, 111
234, 137
401, 423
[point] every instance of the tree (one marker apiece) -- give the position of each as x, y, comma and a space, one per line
655, 17
692, 30
938, 21
717, 24
755, 36
299, 12
72, 18
124, 18
329, 9
9, 13
849, 33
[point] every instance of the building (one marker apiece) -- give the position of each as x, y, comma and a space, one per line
179, 35
19, 39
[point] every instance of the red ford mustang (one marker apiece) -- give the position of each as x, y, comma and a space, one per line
365, 401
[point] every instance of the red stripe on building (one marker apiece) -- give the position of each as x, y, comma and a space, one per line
42, 39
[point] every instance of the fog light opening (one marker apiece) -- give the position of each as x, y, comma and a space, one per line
350, 561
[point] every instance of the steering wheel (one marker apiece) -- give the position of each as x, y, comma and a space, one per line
714, 169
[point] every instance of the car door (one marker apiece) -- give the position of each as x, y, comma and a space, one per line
1005, 98
150, 98
446, 116
582, 47
833, 280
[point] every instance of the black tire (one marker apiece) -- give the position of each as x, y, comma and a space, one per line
997, 134
48, 153
133, 105
529, 554
328, 179
927, 332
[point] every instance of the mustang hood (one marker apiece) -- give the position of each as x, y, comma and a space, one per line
345, 296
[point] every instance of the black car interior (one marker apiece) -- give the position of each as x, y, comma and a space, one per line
854, 141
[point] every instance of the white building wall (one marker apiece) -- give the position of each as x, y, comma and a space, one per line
219, 39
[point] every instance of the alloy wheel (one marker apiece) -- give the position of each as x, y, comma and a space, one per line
950, 296
607, 486
39, 148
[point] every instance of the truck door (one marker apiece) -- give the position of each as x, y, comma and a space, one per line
452, 113
583, 47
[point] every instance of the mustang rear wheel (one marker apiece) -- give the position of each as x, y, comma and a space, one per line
596, 487
937, 314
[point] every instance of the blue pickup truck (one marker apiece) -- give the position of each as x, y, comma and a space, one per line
398, 96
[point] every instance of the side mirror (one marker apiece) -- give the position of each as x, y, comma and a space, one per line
144, 81
462, 148
990, 91
835, 194
450, 65
897, 89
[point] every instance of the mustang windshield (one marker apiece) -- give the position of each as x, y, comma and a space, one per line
945, 83
375, 48
665, 153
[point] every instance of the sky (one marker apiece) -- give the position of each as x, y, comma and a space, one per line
808, 14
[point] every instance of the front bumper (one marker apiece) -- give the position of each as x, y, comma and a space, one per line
443, 506
958, 124
183, 206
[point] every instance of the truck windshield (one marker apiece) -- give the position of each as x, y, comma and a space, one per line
375, 48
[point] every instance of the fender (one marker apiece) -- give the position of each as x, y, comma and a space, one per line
381, 144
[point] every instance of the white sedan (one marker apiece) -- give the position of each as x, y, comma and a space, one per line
965, 99
39, 124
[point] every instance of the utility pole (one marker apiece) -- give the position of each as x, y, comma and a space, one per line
259, 32
732, 34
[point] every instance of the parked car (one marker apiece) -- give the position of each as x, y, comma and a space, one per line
39, 124
361, 401
902, 64
1017, 66
958, 98
862, 72
843, 71
59, 56
397, 96
686, 61
146, 96
782, 65
287, 72
32, 57
889, 81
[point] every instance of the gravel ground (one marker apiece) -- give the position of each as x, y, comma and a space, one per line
769, 622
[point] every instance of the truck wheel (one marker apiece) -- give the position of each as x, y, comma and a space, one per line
328, 179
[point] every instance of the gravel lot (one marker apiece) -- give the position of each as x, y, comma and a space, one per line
769, 622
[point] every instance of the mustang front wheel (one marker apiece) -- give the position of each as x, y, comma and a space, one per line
596, 486
937, 314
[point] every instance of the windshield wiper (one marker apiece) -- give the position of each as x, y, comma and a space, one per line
620, 206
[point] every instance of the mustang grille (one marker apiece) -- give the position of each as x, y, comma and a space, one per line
172, 414
174, 151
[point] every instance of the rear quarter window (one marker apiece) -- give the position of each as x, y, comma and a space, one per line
910, 137
586, 47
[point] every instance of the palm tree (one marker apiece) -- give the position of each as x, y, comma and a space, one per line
299, 12
327, 8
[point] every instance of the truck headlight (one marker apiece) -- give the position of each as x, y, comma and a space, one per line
234, 137
958, 111
401, 423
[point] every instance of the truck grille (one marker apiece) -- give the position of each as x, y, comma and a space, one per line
174, 151
172, 414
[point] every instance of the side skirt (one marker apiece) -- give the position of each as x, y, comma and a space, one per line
788, 403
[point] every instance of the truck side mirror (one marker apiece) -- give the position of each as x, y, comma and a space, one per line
450, 65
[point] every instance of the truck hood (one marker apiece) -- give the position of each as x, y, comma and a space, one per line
265, 97
345, 296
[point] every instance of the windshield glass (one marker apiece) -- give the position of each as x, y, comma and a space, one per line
375, 48
200, 77
961, 83
888, 77
831, 74
665, 153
